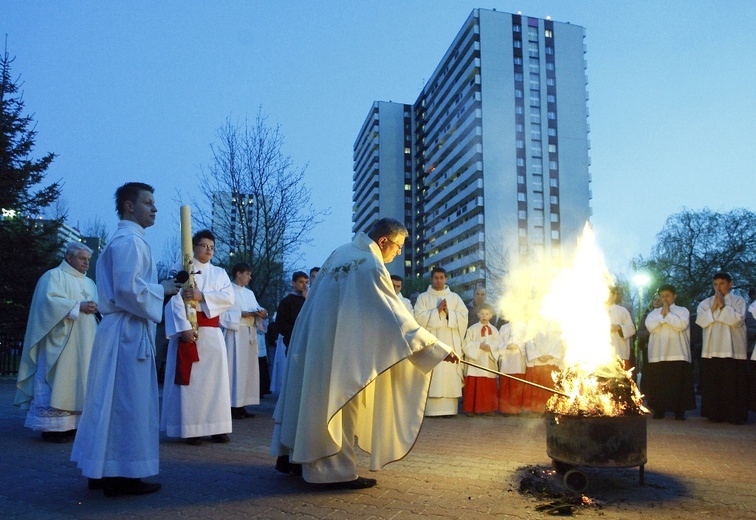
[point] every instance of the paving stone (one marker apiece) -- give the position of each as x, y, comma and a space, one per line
460, 468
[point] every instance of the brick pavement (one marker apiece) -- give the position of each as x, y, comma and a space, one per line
460, 468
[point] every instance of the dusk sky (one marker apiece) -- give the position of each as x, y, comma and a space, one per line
132, 90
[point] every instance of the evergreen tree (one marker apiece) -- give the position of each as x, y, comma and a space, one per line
29, 245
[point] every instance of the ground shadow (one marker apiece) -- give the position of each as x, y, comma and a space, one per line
597, 487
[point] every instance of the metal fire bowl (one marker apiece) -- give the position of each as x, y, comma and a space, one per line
597, 441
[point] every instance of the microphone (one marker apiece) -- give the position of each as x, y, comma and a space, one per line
178, 276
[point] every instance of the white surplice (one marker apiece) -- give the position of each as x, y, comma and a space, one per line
240, 335
118, 432
724, 331
512, 348
446, 384
669, 338
474, 338
203, 407
354, 343
618, 315
52, 376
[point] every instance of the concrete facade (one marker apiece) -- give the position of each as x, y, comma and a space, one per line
499, 151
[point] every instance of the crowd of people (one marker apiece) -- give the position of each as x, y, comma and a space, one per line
356, 363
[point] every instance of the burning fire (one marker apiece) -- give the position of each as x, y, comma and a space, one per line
573, 301
607, 391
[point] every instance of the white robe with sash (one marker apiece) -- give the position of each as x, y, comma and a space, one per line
242, 343
446, 384
118, 432
203, 407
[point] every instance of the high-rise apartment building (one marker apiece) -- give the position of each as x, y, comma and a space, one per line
491, 166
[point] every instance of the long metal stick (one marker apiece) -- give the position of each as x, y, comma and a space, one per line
552, 390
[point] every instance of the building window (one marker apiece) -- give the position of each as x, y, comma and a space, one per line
518, 60
548, 33
555, 217
554, 182
521, 197
554, 234
552, 148
520, 179
554, 199
522, 214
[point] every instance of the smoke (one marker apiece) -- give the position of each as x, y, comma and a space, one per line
564, 297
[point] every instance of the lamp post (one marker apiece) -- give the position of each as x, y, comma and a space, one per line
640, 280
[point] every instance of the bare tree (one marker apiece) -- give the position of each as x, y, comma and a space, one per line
171, 257
259, 205
94, 227
693, 245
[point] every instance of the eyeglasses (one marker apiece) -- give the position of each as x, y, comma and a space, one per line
400, 246
206, 247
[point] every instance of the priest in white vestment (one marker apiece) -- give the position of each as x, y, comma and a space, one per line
202, 407
52, 376
118, 433
240, 325
358, 368
443, 314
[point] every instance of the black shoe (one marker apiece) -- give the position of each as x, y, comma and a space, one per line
284, 466
220, 438
119, 486
95, 483
241, 413
358, 483
56, 437
679, 417
193, 441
